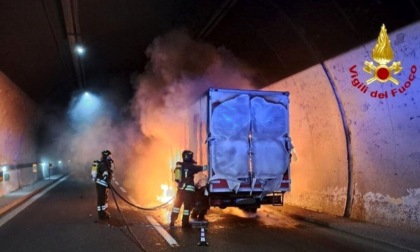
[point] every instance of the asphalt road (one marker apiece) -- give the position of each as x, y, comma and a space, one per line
64, 219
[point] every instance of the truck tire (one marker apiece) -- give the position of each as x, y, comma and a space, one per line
252, 210
249, 209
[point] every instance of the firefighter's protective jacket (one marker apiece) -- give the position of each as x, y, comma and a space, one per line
187, 173
104, 174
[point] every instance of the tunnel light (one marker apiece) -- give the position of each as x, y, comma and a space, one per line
85, 109
4, 168
80, 50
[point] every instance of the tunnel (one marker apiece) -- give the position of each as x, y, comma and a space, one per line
354, 119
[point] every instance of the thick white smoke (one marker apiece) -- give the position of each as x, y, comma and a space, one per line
179, 71
94, 128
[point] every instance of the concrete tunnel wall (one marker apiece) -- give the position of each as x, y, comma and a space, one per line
358, 155
18, 117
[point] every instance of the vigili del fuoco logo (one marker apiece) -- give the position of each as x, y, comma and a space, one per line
382, 71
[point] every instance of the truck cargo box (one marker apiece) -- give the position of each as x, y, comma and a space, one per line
247, 146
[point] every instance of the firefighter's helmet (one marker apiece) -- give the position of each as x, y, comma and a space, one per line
106, 153
187, 156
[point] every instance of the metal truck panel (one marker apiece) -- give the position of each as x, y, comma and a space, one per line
248, 140
243, 137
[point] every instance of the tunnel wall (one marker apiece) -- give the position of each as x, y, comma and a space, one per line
319, 168
358, 148
18, 119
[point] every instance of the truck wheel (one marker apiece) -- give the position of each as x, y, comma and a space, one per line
252, 210
249, 209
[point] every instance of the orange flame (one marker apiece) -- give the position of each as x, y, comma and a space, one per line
167, 193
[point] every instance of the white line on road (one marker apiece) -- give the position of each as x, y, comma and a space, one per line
116, 182
162, 232
122, 189
17, 210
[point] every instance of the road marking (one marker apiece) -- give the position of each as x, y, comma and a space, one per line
122, 189
162, 232
116, 182
24, 205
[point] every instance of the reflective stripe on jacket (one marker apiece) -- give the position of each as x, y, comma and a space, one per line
101, 182
188, 170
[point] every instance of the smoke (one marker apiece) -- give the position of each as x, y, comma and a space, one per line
146, 146
95, 126
180, 70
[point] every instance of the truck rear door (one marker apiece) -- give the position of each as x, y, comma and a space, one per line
249, 143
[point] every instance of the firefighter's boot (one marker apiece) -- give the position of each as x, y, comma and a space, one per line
104, 215
186, 222
201, 215
107, 215
194, 214
174, 216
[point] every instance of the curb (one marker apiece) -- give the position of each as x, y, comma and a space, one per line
336, 226
14, 204
311, 220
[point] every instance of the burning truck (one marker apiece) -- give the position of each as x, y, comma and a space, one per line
243, 138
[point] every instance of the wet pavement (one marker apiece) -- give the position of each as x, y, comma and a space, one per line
402, 240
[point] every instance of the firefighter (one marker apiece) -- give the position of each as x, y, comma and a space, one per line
186, 188
201, 197
103, 182
201, 205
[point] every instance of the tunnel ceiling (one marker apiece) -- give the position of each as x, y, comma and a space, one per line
276, 38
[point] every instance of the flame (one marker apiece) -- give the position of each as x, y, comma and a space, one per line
166, 196
167, 193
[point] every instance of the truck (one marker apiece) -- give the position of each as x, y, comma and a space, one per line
243, 137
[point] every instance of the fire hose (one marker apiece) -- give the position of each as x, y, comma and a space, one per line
125, 222
113, 191
135, 206
139, 207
